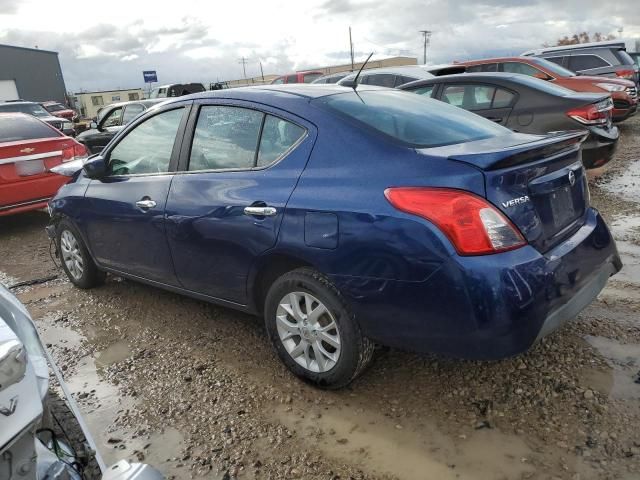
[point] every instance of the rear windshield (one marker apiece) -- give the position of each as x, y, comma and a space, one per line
543, 85
54, 107
29, 108
624, 57
14, 128
554, 67
412, 119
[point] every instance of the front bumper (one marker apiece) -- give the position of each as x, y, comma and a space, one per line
487, 307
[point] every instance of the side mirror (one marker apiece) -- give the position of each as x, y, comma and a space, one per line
95, 167
93, 124
542, 76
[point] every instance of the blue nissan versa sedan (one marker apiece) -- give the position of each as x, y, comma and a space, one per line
346, 218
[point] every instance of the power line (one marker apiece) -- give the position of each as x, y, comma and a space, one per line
426, 34
244, 61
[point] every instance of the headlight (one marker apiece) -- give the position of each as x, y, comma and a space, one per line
610, 87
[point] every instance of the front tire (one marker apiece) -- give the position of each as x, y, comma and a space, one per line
313, 331
76, 261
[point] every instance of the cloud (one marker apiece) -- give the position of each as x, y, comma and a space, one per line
8, 7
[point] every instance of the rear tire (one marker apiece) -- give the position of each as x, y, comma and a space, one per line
313, 331
76, 261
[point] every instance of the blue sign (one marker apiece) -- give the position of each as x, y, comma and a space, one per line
150, 76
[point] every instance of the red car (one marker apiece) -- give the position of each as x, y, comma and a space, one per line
623, 92
29, 148
299, 77
58, 110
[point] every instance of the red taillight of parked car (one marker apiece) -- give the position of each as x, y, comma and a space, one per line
474, 226
628, 74
594, 114
76, 151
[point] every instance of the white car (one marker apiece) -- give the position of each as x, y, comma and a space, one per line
391, 77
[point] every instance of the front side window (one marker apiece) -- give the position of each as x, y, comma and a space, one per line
97, 100
278, 137
413, 120
578, 63
113, 119
131, 112
225, 137
147, 148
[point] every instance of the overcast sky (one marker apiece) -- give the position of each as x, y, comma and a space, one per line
107, 44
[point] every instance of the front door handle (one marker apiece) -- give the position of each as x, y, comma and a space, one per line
146, 204
260, 211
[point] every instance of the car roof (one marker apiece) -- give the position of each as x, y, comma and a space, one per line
578, 46
19, 102
498, 59
494, 77
146, 102
415, 70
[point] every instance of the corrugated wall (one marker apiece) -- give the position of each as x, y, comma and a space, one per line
37, 73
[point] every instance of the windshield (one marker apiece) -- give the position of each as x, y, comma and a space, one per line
55, 107
412, 119
29, 108
554, 67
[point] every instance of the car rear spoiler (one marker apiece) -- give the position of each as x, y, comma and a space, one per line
509, 150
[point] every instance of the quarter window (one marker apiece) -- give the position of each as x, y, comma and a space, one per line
578, 63
278, 136
147, 148
225, 137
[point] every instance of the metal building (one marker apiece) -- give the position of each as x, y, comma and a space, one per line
30, 74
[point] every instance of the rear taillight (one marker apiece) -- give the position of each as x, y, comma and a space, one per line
474, 226
628, 74
77, 151
593, 114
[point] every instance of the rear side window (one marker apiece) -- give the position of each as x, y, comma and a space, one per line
487, 67
410, 119
225, 137
578, 63
502, 98
292, 79
556, 60
469, 97
15, 128
402, 79
278, 137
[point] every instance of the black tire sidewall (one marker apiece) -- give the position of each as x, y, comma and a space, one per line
91, 276
309, 281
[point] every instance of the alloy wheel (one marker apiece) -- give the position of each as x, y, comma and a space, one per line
71, 254
308, 331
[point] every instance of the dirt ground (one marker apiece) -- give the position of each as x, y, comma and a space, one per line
197, 391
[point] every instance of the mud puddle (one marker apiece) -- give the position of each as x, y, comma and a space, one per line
411, 452
102, 403
623, 381
626, 183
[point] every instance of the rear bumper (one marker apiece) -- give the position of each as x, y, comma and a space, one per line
488, 307
26, 195
599, 147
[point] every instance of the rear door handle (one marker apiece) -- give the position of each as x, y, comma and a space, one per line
146, 204
260, 211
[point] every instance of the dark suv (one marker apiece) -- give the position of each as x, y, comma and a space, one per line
609, 59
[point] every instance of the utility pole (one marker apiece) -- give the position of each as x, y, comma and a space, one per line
427, 37
244, 61
351, 48
261, 72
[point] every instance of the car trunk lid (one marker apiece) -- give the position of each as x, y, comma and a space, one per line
538, 182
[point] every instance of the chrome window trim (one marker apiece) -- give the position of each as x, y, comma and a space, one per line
35, 156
